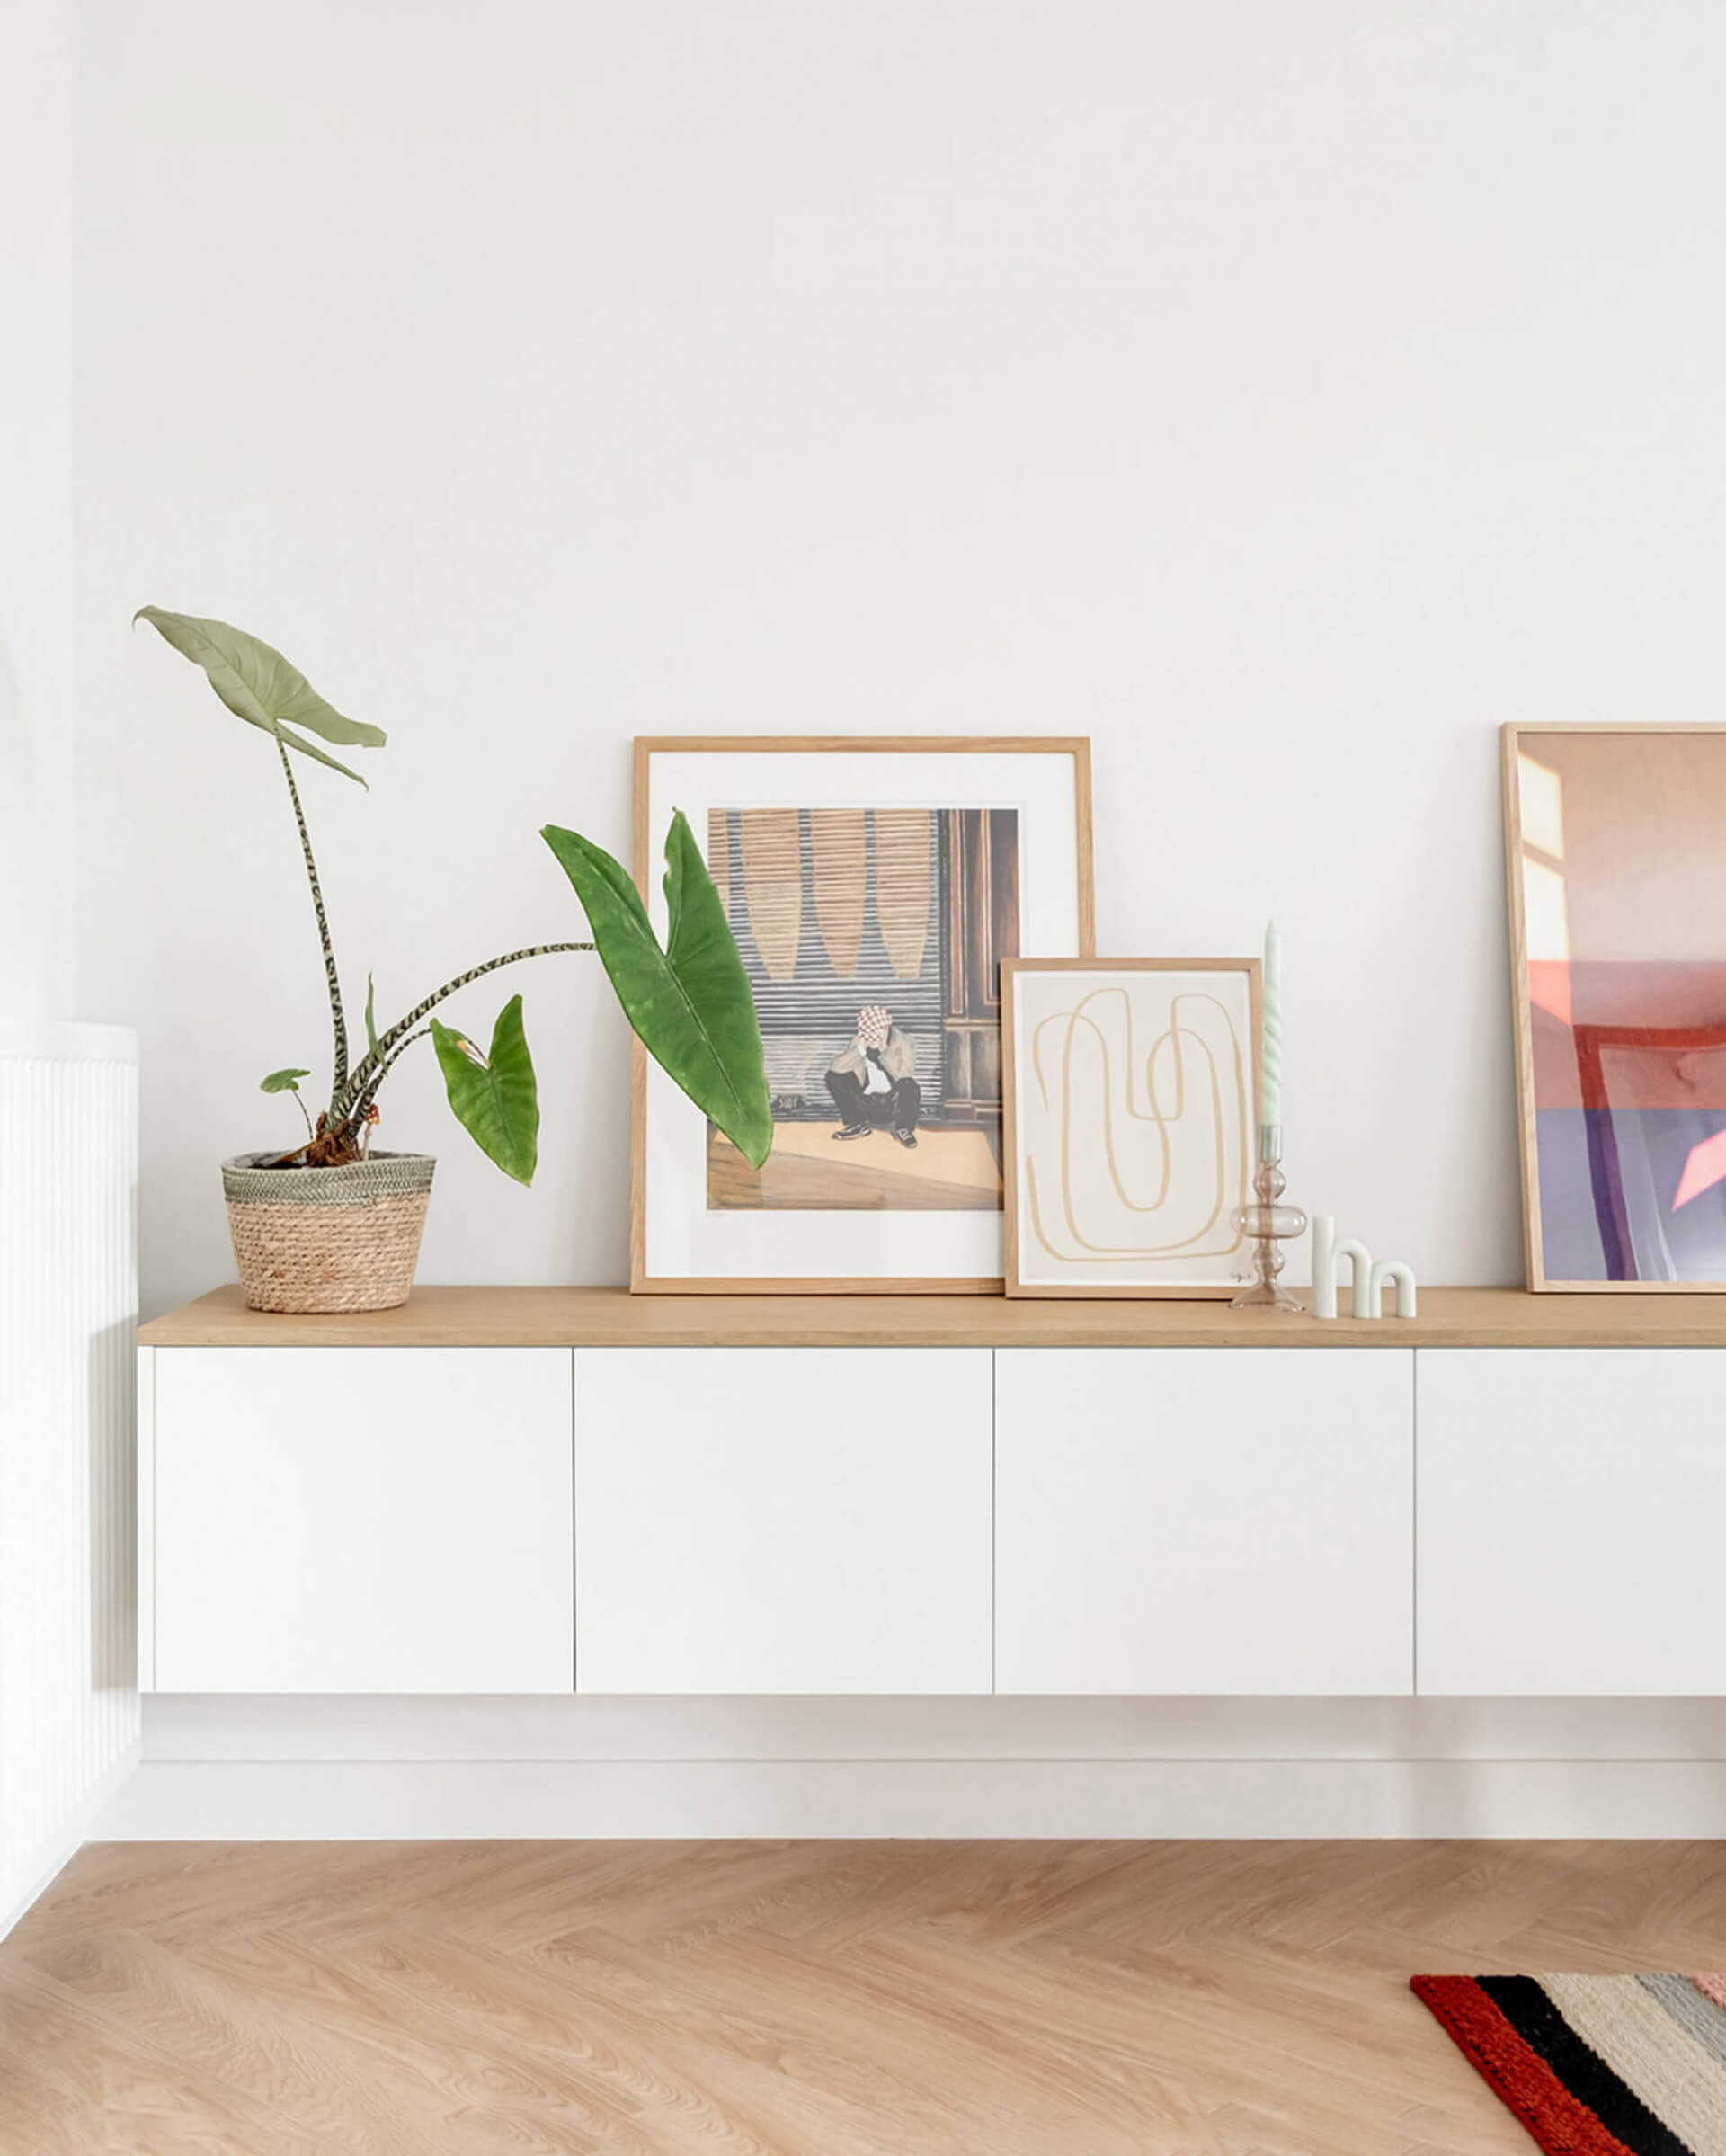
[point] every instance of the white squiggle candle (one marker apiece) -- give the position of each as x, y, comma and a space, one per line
1270, 1088
1324, 1265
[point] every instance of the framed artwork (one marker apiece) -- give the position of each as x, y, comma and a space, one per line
1132, 1093
1615, 839
875, 887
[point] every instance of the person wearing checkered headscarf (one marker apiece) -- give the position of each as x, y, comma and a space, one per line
872, 1084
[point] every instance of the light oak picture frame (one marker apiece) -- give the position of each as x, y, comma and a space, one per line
1528, 859
1116, 1276
1068, 777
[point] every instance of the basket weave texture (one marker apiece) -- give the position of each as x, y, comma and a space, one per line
327, 1239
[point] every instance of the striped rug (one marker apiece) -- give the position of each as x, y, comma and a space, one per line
1597, 2065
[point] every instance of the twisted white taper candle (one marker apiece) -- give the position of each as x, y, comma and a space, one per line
1270, 1053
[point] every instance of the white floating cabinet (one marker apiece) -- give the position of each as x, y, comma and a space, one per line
359, 1520
1238, 1520
1572, 1502
782, 1519
391, 1515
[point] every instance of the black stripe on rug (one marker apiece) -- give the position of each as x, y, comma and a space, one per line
1588, 2077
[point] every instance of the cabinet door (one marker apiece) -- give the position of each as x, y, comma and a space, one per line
1232, 1519
1571, 1501
362, 1519
782, 1519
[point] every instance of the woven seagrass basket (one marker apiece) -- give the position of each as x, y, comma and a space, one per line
328, 1238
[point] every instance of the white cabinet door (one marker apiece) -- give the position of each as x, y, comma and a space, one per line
1571, 1502
782, 1519
362, 1519
1229, 1520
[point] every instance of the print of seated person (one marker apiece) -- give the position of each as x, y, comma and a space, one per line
871, 1083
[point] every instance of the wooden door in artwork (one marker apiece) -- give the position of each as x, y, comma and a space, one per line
980, 887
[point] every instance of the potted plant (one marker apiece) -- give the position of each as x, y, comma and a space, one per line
333, 1222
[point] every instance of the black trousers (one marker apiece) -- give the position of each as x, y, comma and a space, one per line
894, 1110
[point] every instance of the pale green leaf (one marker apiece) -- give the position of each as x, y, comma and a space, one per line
283, 1081
258, 685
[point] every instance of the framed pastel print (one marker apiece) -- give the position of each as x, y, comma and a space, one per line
1616, 844
1131, 1089
874, 888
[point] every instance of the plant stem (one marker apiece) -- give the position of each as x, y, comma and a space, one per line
339, 1077
373, 1065
372, 1084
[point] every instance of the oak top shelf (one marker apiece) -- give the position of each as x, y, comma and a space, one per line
610, 1317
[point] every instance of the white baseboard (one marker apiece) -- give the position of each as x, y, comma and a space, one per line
187, 1727
1134, 1799
304, 1768
41, 1870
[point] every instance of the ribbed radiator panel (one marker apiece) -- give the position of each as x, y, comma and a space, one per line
68, 1305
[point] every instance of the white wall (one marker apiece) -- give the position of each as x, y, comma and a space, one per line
38, 621
1282, 396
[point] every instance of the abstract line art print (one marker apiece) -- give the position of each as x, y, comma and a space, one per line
1132, 1090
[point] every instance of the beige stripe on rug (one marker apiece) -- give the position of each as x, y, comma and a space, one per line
1651, 2052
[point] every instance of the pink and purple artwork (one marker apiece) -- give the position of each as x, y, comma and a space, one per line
1618, 855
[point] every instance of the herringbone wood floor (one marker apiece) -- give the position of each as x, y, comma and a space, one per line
809, 1999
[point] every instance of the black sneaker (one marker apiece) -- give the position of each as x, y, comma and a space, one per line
854, 1130
907, 1138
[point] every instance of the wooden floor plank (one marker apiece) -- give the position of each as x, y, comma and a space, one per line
799, 1999
75, 2079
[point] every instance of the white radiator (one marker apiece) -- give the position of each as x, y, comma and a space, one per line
68, 1305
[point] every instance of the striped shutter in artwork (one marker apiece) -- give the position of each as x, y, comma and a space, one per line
904, 876
773, 863
838, 870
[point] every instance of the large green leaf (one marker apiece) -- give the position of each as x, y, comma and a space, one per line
258, 685
689, 1002
495, 1097
282, 1081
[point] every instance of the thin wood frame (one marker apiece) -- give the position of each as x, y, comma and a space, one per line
1109, 1291
1511, 737
648, 746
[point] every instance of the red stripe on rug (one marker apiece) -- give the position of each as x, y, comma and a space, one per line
1517, 2073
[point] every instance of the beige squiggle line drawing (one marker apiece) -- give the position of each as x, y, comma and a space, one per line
1154, 1112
